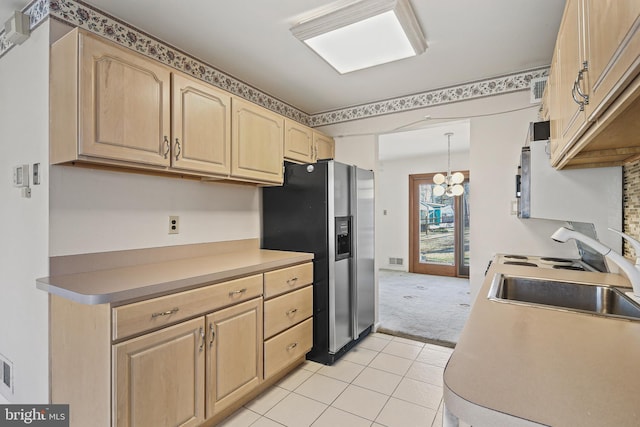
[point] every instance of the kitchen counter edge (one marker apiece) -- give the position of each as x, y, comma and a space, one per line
127, 284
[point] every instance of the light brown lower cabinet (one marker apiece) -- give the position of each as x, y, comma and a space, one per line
185, 359
234, 355
159, 377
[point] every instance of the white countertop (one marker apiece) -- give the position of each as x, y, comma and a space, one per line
115, 285
521, 365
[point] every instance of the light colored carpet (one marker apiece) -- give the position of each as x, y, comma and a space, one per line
429, 308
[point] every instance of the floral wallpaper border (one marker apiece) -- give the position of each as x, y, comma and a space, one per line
38, 11
80, 14
480, 89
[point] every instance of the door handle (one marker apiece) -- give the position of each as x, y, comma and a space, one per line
178, 149
213, 334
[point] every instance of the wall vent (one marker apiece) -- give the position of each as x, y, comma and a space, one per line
6, 377
536, 89
395, 261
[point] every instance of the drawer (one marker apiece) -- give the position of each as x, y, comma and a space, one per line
285, 348
157, 312
286, 310
287, 279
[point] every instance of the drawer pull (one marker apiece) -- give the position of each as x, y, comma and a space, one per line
165, 313
241, 291
292, 346
292, 311
292, 281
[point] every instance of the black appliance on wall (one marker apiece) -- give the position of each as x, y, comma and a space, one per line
327, 208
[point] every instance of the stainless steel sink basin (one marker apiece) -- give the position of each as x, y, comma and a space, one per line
600, 300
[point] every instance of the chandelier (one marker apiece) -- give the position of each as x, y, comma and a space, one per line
450, 185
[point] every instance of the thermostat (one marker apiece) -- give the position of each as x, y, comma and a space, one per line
21, 176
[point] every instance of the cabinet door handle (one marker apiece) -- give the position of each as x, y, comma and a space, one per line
201, 338
178, 149
292, 281
578, 89
292, 311
213, 335
238, 292
575, 98
165, 313
292, 346
167, 147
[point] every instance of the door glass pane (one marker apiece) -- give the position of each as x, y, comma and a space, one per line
437, 227
465, 225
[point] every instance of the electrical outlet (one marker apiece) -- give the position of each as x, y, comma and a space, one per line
174, 224
6, 376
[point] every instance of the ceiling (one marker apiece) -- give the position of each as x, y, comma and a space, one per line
425, 141
468, 40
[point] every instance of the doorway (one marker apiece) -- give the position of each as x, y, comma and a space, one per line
438, 229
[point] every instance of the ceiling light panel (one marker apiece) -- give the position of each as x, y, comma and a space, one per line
363, 34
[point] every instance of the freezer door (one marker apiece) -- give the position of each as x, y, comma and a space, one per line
340, 320
363, 213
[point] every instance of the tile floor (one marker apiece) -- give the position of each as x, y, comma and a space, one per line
384, 381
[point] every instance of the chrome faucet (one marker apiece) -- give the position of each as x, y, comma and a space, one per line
632, 272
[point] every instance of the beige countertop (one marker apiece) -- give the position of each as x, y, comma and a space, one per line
521, 365
129, 282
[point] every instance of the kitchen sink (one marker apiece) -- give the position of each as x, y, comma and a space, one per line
602, 300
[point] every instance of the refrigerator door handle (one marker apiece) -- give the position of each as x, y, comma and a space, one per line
353, 209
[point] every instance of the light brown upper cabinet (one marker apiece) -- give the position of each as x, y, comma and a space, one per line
324, 146
298, 142
595, 87
201, 127
112, 106
257, 143
107, 103
570, 116
305, 145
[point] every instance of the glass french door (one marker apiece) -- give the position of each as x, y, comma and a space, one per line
439, 229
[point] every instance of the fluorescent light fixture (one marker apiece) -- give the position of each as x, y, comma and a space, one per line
363, 33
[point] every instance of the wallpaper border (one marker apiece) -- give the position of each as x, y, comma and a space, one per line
80, 14
38, 11
496, 86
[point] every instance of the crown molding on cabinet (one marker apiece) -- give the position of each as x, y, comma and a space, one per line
79, 14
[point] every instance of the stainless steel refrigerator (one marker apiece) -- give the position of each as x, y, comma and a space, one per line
328, 208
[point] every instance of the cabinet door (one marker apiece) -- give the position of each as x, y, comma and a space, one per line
201, 127
613, 46
159, 377
324, 146
570, 58
298, 142
257, 143
552, 90
234, 359
124, 104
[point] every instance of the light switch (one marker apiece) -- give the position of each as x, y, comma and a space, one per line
21, 176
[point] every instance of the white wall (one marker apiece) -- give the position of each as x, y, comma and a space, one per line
498, 131
361, 151
96, 211
24, 118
